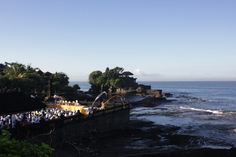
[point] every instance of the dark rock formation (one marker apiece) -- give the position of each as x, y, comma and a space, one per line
167, 95
202, 152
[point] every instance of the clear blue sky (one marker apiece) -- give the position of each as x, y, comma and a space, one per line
158, 40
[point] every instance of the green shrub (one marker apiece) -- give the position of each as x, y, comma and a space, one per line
10, 147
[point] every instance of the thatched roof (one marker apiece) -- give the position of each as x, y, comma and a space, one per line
14, 102
127, 73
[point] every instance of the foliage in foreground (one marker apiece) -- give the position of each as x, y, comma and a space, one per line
13, 148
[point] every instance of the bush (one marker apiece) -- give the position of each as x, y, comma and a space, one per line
10, 147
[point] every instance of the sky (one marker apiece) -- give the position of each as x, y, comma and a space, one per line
157, 40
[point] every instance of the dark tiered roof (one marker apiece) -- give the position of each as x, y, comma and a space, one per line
127, 73
13, 102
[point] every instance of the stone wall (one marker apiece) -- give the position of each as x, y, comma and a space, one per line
69, 130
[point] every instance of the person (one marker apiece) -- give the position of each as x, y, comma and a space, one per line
24, 120
79, 115
90, 111
13, 121
42, 120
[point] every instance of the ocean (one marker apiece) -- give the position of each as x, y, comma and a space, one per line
84, 86
204, 109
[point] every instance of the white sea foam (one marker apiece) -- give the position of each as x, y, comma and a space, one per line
202, 110
234, 130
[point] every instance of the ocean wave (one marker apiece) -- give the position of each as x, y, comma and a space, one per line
219, 112
230, 112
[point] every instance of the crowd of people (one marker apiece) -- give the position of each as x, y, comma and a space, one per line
12, 120
43, 115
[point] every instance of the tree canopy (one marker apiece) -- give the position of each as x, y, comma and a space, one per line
34, 81
111, 79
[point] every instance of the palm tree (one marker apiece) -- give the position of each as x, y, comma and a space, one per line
15, 71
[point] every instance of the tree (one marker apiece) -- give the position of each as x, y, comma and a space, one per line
76, 87
95, 79
59, 82
15, 71
70, 93
2, 67
34, 81
111, 79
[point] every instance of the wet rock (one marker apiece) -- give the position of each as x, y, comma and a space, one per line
167, 95
204, 152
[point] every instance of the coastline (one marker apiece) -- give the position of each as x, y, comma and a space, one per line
143, 138
147, 138
149, 141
